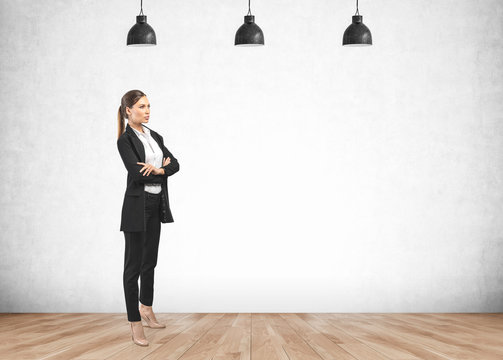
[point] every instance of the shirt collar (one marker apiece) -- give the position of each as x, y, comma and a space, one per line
145, 129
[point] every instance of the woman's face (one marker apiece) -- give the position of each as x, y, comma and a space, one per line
140, 112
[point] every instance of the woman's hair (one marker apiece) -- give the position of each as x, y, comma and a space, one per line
128, 100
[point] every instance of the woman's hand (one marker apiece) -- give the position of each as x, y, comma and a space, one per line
149, 168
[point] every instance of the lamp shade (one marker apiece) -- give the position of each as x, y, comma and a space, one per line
141, 34
249, 34
357, 34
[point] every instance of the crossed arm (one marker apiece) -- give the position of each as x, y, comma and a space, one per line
134, 167
173, 166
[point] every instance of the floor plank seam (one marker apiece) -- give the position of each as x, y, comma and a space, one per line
361, 341
284, 350
194, 343
316, 352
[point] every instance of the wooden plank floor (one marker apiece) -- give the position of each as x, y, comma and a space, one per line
256, 336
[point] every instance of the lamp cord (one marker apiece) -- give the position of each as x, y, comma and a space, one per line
357, 12
249, 10
141, 7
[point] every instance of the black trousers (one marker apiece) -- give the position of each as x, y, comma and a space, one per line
140, 259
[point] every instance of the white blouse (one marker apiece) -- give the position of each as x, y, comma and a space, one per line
153, 155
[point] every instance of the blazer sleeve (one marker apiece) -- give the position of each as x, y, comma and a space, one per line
130, 161
173, 166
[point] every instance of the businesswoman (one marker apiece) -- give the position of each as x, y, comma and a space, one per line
145, 207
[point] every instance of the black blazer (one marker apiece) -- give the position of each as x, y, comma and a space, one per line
133, 208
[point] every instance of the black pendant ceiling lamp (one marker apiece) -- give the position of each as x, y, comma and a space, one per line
249, 34
357, 34
141, 34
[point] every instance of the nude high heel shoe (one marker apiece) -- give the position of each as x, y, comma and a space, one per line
141, 342
151, 322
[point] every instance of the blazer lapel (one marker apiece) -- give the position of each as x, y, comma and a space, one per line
137, 144
157, 139
154, 136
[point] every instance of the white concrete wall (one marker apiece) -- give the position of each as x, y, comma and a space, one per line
314, 178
